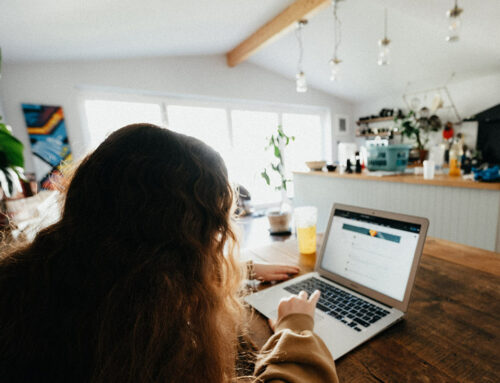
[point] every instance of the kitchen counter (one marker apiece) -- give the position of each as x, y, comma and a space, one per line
439, 179
462, 211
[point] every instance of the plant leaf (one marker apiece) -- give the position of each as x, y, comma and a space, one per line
12, 148
15, 184
19, 172
277, 152
4, 184
266, 177
9, 189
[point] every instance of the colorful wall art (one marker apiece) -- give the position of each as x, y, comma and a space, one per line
49, 142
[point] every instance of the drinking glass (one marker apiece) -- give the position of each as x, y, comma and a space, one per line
305, 223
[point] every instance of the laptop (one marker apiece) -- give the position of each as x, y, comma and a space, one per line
365, 271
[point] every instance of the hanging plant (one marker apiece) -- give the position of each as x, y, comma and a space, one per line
11, 162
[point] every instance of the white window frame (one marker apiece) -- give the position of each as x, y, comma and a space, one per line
164, 100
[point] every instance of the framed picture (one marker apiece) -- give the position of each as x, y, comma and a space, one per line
341, 125
49, 142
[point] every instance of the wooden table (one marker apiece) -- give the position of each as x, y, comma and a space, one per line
452, 329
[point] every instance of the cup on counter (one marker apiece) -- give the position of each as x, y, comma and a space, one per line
429, 169
305, 224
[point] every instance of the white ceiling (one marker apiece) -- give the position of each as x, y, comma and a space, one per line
49, 30
419, 52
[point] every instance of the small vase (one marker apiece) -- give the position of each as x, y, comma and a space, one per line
279, 220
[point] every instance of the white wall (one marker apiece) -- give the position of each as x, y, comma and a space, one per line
60, 83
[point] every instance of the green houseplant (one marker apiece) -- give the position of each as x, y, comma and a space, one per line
418, 128
278, 219
11, 162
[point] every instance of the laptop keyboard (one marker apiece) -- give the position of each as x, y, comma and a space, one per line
349, 309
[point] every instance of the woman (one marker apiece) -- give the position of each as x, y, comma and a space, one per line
132, 284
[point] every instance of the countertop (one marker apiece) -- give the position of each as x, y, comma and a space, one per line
439, 179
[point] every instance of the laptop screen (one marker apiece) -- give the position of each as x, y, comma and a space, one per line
371, 251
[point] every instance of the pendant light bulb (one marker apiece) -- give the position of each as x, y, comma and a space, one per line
454, 23
300, 82
383, 52
383, 45
334, 69
300, 77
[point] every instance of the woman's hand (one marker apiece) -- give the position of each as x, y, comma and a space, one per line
296, 304
267, 273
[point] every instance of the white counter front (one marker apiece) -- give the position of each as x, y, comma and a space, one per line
467, 215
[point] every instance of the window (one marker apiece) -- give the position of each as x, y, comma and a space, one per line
308, 144
250, 129
206, 124
104, 117
238, 134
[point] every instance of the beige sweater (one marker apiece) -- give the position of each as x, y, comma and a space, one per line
294, 354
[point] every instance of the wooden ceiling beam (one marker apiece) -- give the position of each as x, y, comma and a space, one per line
275, 28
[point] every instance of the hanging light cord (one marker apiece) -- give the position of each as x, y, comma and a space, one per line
298, 34
337, 29
385, 24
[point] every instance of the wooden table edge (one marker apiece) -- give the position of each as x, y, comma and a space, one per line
463, 255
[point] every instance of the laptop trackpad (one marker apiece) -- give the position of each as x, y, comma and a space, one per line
338, 338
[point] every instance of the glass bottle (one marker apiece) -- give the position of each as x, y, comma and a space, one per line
454, 159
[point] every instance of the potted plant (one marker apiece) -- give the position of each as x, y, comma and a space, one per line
11, 163
279, 219
418, 127
11, 169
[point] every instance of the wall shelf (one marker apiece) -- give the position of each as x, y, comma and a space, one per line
374, 120
383, 134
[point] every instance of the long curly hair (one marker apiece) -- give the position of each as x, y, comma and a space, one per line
137, 282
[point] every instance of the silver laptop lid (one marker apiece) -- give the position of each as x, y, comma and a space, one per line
373, 252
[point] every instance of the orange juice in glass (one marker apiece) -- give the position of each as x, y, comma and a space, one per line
305, 223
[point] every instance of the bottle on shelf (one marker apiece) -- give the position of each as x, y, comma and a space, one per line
348, 169
358, 163
455, 157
